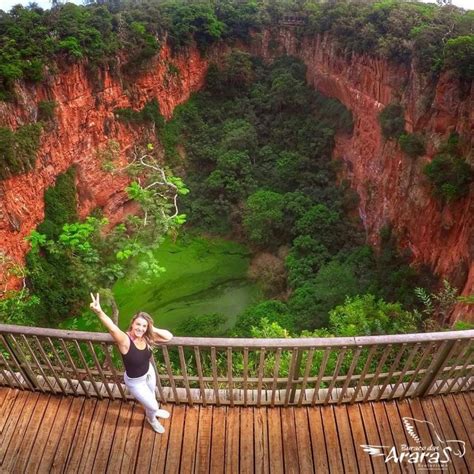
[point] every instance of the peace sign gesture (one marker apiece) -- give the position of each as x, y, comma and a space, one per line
95, 305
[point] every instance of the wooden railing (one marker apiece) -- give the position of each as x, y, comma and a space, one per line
244, 371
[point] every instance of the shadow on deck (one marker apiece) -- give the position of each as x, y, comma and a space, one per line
49, 433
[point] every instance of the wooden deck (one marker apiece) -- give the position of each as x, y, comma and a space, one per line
49, 433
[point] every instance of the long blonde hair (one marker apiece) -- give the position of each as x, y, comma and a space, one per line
149, 335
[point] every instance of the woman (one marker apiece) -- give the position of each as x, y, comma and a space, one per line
135, 347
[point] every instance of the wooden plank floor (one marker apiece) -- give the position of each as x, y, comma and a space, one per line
47, 433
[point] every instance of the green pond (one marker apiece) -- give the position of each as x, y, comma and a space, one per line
203, 276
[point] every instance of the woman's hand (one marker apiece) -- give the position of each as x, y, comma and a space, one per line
95, 305
163, 334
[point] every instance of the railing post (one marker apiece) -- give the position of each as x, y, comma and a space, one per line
296, 376
29, 378
434, 369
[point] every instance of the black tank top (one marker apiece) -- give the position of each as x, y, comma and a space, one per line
136, 361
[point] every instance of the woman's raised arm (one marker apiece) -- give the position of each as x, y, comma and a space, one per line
117, 334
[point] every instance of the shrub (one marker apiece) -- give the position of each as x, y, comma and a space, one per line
392, 121
365, 316
18, 149
46, 110
269, 271
412, 144
60, 205
150, 113
203, 325
450, 176
459, 55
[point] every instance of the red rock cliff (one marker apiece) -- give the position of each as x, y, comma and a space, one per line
391, 185
85, 124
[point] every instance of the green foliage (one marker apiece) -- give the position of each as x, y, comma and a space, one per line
463, 326
398, 31
310, 303
411, 144
450, 176
186, 22
141, 44
392, 121
150, 113
234, 143
273, 311
18, 149
437, 306
32, 39
60, 205
366, 316
459, 55
46, 109
205, 325
233, 77
18, 307
263, 218
231, 176
71, 47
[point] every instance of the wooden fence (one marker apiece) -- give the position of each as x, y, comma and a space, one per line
272, 372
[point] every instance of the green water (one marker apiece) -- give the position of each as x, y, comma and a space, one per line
202, 276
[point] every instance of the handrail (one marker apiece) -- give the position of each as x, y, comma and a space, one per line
250, 342
226, 371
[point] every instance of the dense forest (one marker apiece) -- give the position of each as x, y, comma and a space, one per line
35, 41
247, 158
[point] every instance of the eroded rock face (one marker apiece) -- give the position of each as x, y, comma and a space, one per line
85, 125
391, 186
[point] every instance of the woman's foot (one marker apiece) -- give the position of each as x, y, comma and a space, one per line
156, 425
162, 413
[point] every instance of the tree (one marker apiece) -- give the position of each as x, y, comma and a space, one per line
232, 175
324, 225
437, 305
366, 316
263, 216
269, 271
320, 290
203, 325
306, 257
392, 121
239, 134
450, 176
459, 55
273, 311
64, 267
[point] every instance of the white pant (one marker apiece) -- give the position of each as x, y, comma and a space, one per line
143, 389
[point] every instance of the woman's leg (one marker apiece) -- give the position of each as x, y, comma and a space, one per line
151, 382
151, 379
142, 393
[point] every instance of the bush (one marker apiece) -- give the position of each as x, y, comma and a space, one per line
392, 121
274, 311
18, 149
269, 271
411, 144
150, 113
263, 217
46, 110
203, 325
459, 55
367, 316
60, 205
450, 176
